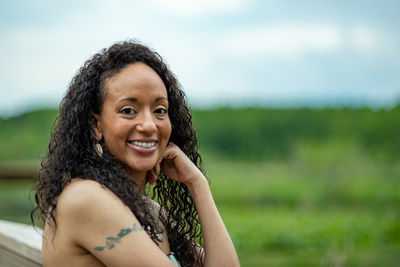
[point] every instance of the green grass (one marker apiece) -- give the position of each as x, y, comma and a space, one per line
16, 201
329, 205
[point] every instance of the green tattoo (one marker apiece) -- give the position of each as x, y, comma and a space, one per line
111, 241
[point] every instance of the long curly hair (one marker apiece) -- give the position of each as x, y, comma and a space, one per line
71, 154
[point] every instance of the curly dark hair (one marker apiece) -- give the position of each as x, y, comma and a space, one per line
71, 154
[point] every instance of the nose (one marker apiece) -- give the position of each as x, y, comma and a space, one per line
146, 122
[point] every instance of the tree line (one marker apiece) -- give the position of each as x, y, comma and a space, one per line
239, 133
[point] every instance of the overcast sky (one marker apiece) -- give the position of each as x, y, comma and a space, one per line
224, 52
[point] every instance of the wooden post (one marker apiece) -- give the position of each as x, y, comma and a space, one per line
20, 245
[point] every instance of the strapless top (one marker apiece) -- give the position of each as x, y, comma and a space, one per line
171, 255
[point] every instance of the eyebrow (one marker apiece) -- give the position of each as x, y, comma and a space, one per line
134, 99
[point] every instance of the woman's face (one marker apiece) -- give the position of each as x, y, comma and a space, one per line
134, 118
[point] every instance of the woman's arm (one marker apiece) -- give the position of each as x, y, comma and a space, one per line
92, 217
218, 247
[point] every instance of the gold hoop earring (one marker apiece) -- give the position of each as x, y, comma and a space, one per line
99, 150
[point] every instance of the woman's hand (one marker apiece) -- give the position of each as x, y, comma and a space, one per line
218, 247
177, 166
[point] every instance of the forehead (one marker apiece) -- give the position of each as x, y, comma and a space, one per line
135, 78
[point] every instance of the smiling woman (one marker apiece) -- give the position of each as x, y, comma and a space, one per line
124, 124
134, 119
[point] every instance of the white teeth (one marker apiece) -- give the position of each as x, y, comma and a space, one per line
143, 144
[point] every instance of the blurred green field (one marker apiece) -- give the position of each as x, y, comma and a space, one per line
294, 187
330, 209
16, 201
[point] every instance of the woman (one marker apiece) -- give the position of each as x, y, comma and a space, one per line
124, 124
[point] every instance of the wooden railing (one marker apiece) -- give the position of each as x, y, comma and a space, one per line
20, 245
19, 170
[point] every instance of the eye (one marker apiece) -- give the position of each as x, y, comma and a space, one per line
161, 111
128, 111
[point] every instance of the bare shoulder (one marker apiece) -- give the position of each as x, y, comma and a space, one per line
88, 211
87, 199
82, 189
95, 219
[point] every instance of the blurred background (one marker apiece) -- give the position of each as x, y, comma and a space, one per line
296, 106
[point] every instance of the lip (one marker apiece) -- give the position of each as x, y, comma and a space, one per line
143, 149
143, 140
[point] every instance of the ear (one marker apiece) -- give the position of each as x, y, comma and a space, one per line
97, 129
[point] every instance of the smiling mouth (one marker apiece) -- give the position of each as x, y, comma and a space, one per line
143, 144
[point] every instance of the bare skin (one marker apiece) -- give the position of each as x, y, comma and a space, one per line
87, 214
94, 227
90, 209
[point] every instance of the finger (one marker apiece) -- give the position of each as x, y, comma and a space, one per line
171, 152
157, 168
155, 172
151, 176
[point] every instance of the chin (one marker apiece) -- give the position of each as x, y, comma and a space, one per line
142, 166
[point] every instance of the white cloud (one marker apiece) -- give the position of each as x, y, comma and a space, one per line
284, 40
39, 59
38, 62
364, 39
200, 7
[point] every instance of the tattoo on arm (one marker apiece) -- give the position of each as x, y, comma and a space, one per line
111, 241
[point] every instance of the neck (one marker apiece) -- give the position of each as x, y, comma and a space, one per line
140, 179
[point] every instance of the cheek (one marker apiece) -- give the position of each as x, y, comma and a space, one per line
169, 129
115, 133
166, 130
